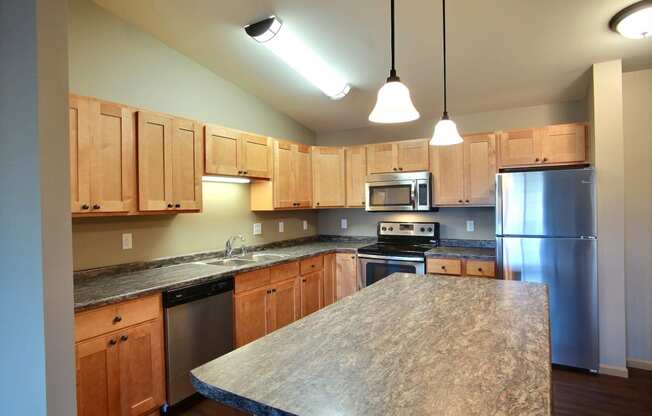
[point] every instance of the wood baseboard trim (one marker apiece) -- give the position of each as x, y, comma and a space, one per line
614, 371
640, 364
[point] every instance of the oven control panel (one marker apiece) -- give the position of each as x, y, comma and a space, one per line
412, 229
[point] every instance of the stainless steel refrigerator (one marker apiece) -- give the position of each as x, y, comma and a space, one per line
546, 232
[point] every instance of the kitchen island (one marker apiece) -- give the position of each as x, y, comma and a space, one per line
407, 345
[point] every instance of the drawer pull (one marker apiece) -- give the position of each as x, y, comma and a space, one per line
117, 319
124, 338
443, 267
112, 342
480, 269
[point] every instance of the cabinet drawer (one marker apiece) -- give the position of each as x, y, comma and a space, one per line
480, 268
312, 264
109, 318
445, 266
251, 280
284, 271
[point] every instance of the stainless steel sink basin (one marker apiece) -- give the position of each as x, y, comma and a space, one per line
267, 256
231, 262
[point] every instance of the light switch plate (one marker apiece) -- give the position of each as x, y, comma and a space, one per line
281, 227
127, 241
305, 225
470, 226
258, 228
344, 223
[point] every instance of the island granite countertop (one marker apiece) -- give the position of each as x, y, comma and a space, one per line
408, 344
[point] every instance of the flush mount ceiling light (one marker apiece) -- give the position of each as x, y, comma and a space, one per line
634, 21
393, 104
445, 130
286, 45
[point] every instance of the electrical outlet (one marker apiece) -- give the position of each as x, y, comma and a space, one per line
127, 241
344, 223
281, 227
258, 228
470, 226
305, 225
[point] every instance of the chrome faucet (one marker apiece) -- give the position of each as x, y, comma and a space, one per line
228, 251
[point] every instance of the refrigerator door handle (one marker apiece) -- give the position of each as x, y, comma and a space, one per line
499, 204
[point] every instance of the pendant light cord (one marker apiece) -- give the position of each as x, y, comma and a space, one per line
443, 10
392, 72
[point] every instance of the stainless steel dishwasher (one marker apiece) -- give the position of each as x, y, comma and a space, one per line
198, 329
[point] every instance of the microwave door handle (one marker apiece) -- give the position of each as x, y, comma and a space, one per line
413, 201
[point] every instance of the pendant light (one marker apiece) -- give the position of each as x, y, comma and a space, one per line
393, 104
445, 130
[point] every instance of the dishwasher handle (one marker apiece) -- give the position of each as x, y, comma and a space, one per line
187, 294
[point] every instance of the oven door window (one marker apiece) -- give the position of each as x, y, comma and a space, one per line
376, 271
390, 195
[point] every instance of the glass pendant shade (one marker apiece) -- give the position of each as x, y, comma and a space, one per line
445, 133
393, 105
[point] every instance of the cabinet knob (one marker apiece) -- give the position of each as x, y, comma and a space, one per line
353, 257
545, 159
400, 168
112, 342
117, 319
467, 201
394, 168
317, 203
170, 205
460, 201
177, 205
443, 267
303, 280
85, 206
479, 269
239, 172
245, 172
96, 206
124, 338
536, 160
273, 290
269, 291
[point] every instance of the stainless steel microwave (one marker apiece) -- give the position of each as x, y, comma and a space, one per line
405, 191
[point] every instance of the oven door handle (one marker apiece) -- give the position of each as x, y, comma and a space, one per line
392, 258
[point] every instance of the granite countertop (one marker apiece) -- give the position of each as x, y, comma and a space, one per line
409, 344
103, 288
472, 253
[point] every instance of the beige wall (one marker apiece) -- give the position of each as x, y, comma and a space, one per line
637, 117
111, 59
610, 171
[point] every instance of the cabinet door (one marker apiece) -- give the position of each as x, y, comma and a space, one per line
312, 297
346, 275
381, 158
329, 279
356, 175
154, 163
186, 159
80, 158
302, 176
222, 150
480, 169
284, 181
329, 185
98, 377
256, 161
284, 303
251, 315
142, 368
447, 169
520, 147
412, 155
112, 157
563, 143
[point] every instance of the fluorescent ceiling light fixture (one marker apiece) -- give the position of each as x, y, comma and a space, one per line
286, 45
224, 179
634, 21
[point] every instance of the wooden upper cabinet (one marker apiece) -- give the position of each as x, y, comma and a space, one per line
356, 175
464, 174
223, 149
169, 163
142, 368
403, 156
102, 157
412, 155
236, 153
284, 176
302, 176
480, 169
187, 165
98, 377
562, 144
328, 170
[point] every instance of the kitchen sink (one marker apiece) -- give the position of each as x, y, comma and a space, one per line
268, 256
232, 262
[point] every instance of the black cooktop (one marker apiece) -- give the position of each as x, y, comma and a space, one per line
394, 249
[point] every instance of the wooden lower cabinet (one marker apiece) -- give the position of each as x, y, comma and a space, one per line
461, 267
251, 315
330, 279
312, 293
346, 275
121, 372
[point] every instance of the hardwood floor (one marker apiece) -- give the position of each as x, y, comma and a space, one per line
574, 393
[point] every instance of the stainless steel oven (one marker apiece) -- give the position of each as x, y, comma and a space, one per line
375, 267
409, 191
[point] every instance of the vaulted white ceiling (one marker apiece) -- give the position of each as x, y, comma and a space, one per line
502, 53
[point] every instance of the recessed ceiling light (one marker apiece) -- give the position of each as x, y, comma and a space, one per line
634, 21
286, 45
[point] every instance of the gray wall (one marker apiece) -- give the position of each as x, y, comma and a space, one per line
637, 117
36, 313
453, 220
